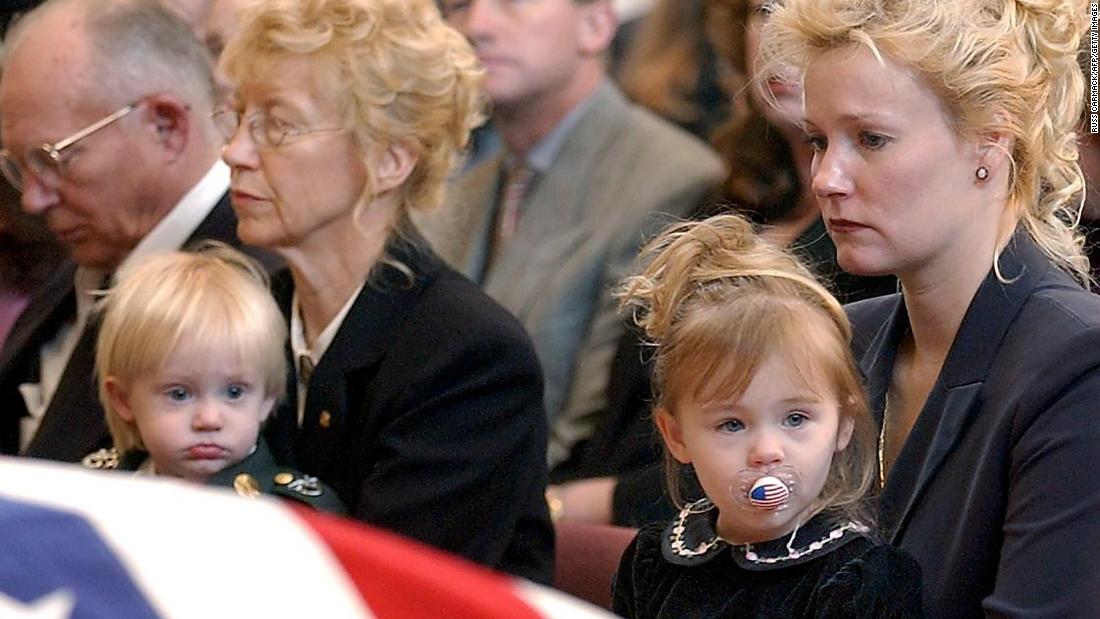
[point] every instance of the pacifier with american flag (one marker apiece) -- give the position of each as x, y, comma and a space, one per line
769, 490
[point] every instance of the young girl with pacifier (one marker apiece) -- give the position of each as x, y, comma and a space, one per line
758, 394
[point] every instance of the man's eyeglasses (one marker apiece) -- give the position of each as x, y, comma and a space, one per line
265, 131
47, 162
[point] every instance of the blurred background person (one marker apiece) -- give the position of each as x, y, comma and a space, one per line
220, 23
413, 394
548, 226
672, 68
222, 20
630, 14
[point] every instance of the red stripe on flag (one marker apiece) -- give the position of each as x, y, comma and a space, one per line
402, 579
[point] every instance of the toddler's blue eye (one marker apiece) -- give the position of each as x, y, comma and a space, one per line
235, 392
732, 425
177, 394
796, 419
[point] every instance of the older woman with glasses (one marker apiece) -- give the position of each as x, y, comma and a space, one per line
415, 396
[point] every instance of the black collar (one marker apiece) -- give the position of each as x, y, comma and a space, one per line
691, 540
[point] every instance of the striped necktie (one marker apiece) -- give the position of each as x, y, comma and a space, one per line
510, 208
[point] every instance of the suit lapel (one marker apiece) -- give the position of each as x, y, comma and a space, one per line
347, 370
281, 428
73, 425
556, 219
50, 308
955, 399
559, 200
52, 305
877, 363
220, 224
463, 230
942, 423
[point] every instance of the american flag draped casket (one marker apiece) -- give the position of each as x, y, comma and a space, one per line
81, 544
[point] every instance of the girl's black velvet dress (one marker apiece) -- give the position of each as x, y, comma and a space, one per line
683, 570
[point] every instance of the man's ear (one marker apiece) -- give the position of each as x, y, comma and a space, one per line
670, 430
169, 118
596, 28
119, 396
393, 167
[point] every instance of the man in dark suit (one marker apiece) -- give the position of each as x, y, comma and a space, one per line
109, 139
549, 226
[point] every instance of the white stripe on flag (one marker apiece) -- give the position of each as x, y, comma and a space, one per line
553, 603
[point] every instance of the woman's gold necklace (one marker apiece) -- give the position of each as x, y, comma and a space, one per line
882, 443
882, 429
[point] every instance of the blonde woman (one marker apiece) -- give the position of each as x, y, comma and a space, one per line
416, 397
945, 154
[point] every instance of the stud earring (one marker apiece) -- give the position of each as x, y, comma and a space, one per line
981, 173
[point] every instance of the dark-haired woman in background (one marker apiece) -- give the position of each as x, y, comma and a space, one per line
672, 67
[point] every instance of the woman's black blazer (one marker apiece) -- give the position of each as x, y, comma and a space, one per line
425, 415
996, 491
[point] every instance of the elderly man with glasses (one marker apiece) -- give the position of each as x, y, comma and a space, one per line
109, 139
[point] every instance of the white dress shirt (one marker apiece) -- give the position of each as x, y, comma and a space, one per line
307, 357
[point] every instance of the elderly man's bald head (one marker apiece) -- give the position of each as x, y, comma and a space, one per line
133, 46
